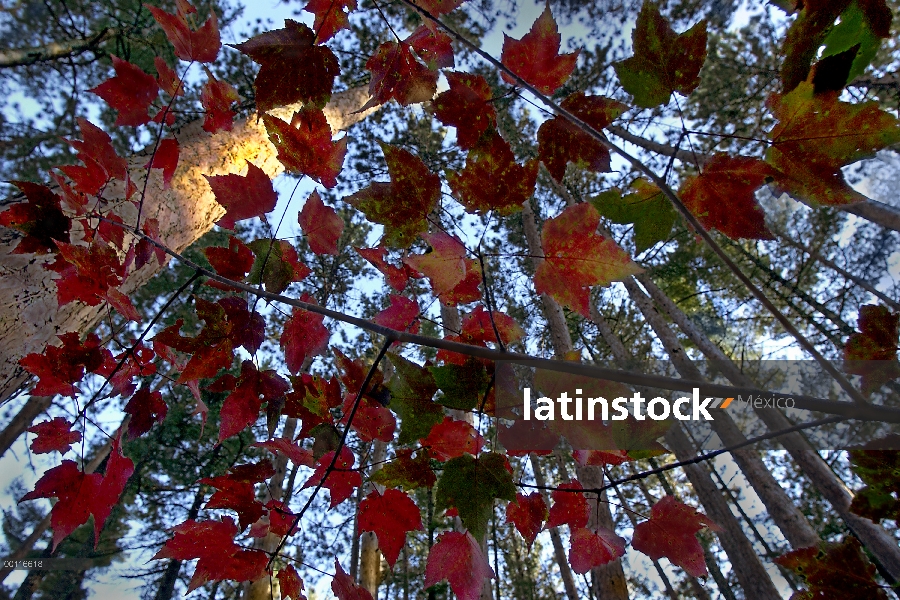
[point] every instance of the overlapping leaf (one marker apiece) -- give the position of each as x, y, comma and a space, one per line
536, 58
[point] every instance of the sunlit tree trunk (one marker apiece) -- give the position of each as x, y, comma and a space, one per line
30, 317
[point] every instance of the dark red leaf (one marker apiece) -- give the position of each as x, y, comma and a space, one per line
834, 570
40, 218
331, 17
285, 447
569, 508
433, 46
145, 250
217, 97
167, 78
101, 163
201, 45
303, 337
397, 277
321, 224
165, 158
341, 481
241, 407
528, 514
55, 434
589, 549
451, 438
290, 583
492, 180
402, 315
872, 353
243, 196
58, 368
233, 262
536, 58
439, 7
345, 588
390, 516
671, 532
466, 106
305, 146
397, 74
145, 408
131, 92
458, 558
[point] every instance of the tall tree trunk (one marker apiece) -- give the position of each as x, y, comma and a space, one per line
559, 552
609, 579
879, 542
29, 311
34, 406
166, 588
793, 525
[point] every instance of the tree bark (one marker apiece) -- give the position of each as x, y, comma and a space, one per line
17, 57
29, 312
369, 555
34, 406
559, 552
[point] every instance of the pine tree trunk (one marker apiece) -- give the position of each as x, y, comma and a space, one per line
30, 317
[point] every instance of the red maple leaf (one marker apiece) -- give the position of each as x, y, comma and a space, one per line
444, 264
285, 447
389, 516
575, 258
281, 519
438, 7
145, 250
406, 472
398, 74
40, 218
167, 78
589, 549
292, 68
165, 158
560, 141
243, 196
145, 407
528, 514
402, 314
458, 558
217, 97
101, 162
305, 145
433, 46
241, 407
55, 434
321, 224
290, 583
311, 401
397, 277
536, 58
403, 204
663, 61
81, 495
372, 421
58, 368
233, 262
466, 106
451, 438
131, 92
569, 508
341, 481
834, 570
220, 557
276, 265
235, 491
331, 17
671, 532
723, 196
492, 180
303, 337
481, 326
345, 588
201, 45
91, 274
872, 353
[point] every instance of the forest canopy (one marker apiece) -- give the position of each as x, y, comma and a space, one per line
472, 299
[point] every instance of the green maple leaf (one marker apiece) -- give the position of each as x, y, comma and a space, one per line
471, 484
412, 390
646, 207
464, 386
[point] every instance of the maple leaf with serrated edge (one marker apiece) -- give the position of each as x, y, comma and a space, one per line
220, 557
443, 264
439, 7
402, 315
872, 353
354, 372
527, 513
671, 532
145, 250
58, 368
451, 439
723, 196
167, 78
277, 265
568, 508
471, 484
467, 106
646, 206
331, 17
561, 141
290, 583
372, 421
341, 481
536, 58
398, 75
637, 439
834, 570
492, 180
201, 45
433, 46
243, 196
589, 549
458, 558
165, 158
664, 61
55, 434
858, 37
878, 465
403, 204
303, 337
216, 97
233, 262
101, 162
130, 92
463, 386
405, 472
289, 449
816, 135
146, 408
238, 496
91, 274
575, 258
305, 146
397, 277
412, 389
81, 495
40, 218
292, 68
241, 407
390, 516
345, 588
321, 224
481, 326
